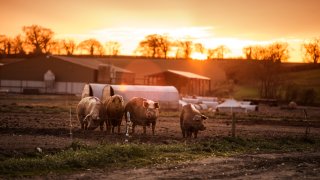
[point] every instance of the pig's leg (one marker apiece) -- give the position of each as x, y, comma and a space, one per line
195, 134
153, 127
183, 132
119, 128
144, 129
101, 125
133, 127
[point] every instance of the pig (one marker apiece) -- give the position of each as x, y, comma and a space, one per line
89, 112
191, 121
113, 108
142, 112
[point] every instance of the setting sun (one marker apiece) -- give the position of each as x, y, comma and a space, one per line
198, 56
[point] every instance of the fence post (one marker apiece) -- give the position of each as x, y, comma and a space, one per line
307, 132
70, 120
128, 127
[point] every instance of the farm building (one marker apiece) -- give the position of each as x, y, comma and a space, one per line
167, 96
59, 74
187, 83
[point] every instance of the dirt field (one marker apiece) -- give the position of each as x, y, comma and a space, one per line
256, 166
28, 122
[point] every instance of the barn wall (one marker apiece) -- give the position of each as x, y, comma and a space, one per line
124, 78
34, 68
185, 86
19, 86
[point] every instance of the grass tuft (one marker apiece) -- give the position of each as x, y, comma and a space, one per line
79, 156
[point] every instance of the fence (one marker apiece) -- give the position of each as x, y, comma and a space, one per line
21, 86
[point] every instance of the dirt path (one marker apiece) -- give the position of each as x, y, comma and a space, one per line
256, 166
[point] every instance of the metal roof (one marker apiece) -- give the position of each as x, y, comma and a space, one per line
189, 75
90, 63
143, 88
168, 96
5, 61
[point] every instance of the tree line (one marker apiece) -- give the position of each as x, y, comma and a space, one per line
40, 40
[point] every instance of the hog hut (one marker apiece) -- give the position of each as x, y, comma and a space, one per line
167, 96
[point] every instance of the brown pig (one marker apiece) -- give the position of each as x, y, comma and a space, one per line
113, 108
142, 112
89, 112
191, 121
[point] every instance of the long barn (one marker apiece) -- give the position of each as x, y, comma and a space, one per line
66, 74
187, 83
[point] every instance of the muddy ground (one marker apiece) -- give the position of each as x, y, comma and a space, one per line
28, 122
246, 166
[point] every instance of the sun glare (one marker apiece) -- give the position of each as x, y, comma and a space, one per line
198, 56
122, 87
129, 38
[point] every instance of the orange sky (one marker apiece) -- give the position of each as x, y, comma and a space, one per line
234, 23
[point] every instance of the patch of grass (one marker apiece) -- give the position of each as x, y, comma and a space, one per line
242, 92
306, 79
79, 156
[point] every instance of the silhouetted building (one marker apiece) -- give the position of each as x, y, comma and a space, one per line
187, 83
70, 74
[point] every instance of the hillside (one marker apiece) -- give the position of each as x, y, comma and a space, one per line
306, 79
301, 80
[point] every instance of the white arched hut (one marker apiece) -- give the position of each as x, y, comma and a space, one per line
167, 96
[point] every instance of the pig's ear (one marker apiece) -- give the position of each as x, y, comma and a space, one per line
204, 117
156, 105
145, 104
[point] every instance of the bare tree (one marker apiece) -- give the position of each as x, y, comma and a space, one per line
5, 45
18, 45
54, 47
198, 47
184, 49
38, 38
164, 45
259, 53
69, 46
218, 52
269, 71
221, 51
101, 50
275, 52
211, 53
155, 45
312, 51
278, 52
113, 48
268, 74
149, 46
248, 52
92, 46
256, 52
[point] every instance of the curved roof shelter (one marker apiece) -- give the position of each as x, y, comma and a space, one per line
167, 96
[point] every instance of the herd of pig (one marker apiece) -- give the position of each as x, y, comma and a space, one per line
92, 113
